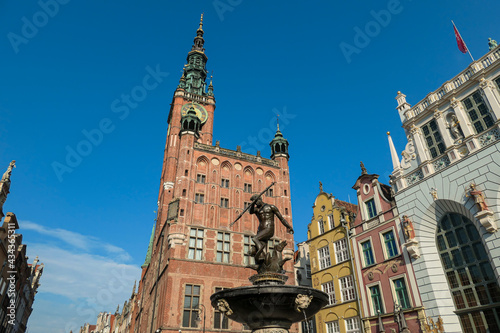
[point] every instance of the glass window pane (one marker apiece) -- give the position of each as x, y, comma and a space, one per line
452, 241
461, 235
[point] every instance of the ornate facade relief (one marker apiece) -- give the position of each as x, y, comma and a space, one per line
408, 154
484, 214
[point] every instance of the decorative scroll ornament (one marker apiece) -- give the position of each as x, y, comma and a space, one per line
223, 307
302, 302
408, 155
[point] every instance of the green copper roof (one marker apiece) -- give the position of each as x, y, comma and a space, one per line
150, 249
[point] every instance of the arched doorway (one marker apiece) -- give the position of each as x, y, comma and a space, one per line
471, 279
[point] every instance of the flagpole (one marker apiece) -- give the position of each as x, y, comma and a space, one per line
463, 40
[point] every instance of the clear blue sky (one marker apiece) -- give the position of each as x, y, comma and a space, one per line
59, 79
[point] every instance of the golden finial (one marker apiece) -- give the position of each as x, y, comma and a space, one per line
201, 22
278, 121
388, 133
399, 92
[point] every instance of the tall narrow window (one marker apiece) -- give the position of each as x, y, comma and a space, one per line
200, 178
247, 188
308, 326
308, 271
191, 303
224, 183
329, 289
376, 300
220, 321
321, 227
195, 250
478, 112
352, 325
247, 259
269, 192
332, 327
471, 279
199, 198
330, 221
223, 246
324, 257
390, 244
224, 202
401, 293
370, 208
341, 252
347, 288
433, 138
367, 253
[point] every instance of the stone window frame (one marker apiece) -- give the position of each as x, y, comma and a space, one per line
384, 242
224, 202
355, 325
324, 257
362, 251
321, 226
247, 244
347, 288
341, 250
367, 205
332, 326
475, 110
194, 301
369, 287
395, 295
331, 221
247, 188
201, 178
199, 198
329, 289
224, 183
431, 133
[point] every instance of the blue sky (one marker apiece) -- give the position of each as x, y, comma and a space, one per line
90, 221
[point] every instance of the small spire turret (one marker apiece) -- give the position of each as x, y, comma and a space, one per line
394, 154
279, 145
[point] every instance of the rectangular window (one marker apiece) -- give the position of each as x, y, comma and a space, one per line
347, 288
308, 271
324, 257
247, 188
332, 327
224, 202
200, 178
433, 138
390, 244
269, 192
370, 208
341, 251
223, 246
329, 289
478, 112
224, 183
330, 221
246, 204
195, 250
191, 302
352, 325
308, 326
321, 227
367, 253
401, 294
247, 259
220, 321
376, 300
199, 198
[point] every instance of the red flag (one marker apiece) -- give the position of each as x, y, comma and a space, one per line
460, 42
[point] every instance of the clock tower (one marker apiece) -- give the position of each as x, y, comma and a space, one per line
193, 251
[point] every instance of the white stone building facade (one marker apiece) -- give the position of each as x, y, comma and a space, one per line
448, 184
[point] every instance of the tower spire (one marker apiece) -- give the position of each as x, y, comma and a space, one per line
194, 75
394, 154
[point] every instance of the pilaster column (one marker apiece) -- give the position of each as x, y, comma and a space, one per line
419, 143
491, 96
445, 133
462, 117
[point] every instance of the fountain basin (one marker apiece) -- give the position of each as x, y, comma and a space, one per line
268, 306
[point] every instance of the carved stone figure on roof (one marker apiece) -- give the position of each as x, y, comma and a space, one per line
492, 43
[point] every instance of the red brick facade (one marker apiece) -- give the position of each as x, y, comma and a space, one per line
186, 251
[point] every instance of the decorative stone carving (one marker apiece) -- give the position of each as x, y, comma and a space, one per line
478, 196
409, 231
489, 137
168, 185
412, 248
485, 218
484, 215
174, 239
454, 127
408, 155
5, 186
370, 276
223, 307
436, 327
394, 268
454, 103
302, 302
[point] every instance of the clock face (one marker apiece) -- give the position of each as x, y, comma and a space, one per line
201, 112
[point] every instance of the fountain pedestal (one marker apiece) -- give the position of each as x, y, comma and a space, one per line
269, 306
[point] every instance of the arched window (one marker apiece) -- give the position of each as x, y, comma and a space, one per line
471, 280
